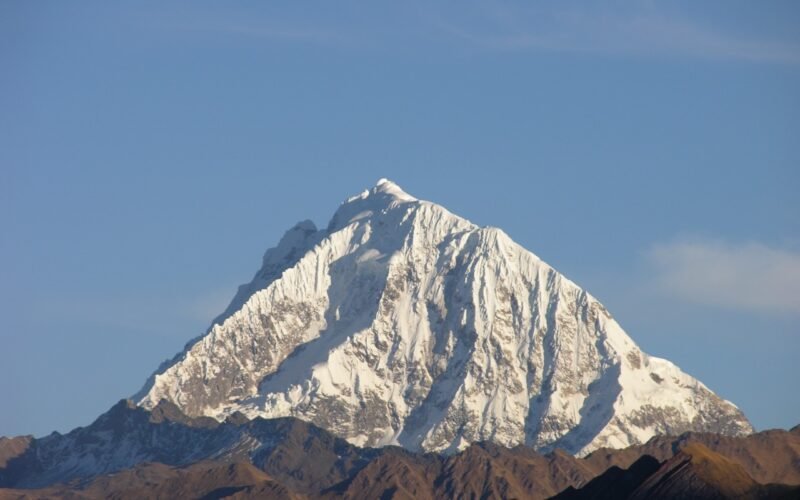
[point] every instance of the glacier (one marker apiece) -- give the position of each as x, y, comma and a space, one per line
401, 323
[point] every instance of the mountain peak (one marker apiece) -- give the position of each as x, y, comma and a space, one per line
384, 190
383, 196
404, 324
386, 186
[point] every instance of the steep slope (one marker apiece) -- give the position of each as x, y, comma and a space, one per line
698, 473
401, 323
615, 483
771, 456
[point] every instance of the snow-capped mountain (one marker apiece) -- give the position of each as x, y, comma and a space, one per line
401, 323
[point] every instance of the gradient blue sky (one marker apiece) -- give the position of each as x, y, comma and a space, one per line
149, 154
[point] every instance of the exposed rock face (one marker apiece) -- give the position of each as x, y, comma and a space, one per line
11, 448
614, 483
401, 323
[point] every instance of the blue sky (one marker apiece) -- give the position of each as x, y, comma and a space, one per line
150, 153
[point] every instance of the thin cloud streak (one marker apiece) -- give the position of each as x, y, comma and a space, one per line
612, 32
638, 30
751, 277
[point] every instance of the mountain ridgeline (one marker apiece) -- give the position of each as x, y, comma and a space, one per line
403, 324
130, 452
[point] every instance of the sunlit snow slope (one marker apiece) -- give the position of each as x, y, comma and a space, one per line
401, 323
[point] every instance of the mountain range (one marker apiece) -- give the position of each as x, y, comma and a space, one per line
405, 352
131, 452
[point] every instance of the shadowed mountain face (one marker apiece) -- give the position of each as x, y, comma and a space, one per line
12, 447
699, 473
694, 472
403, 324
771, 456
615, 482
128, 435
130, 452
204, 480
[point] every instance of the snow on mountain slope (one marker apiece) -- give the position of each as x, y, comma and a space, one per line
401, 323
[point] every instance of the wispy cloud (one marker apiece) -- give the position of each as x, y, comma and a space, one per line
750, 276
632, 30
627, 28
